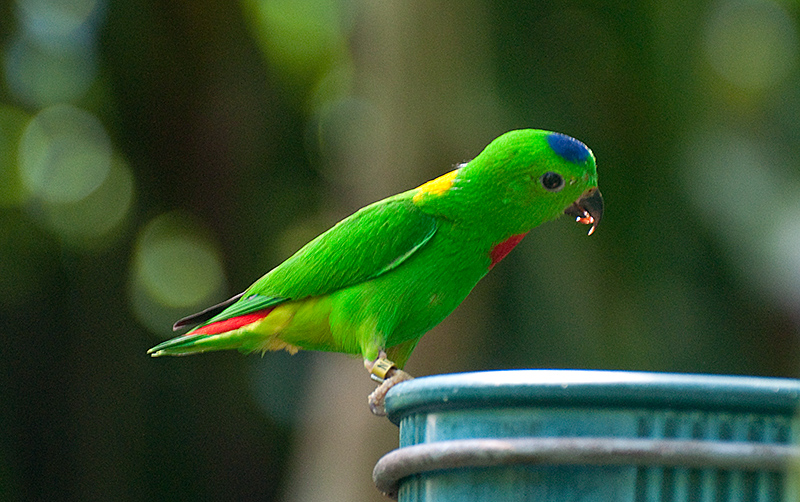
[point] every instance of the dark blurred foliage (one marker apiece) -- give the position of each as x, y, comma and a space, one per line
157, 156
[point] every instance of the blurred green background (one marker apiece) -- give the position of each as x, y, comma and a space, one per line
159, 156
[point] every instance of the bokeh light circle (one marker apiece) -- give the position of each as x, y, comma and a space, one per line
90, 222
751, 43
65, 154
54, 21
175, 264
41, 76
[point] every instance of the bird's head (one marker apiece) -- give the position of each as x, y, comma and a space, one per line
520, 180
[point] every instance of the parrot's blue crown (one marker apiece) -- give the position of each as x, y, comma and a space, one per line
570, 149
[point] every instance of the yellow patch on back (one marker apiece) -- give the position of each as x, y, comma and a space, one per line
436, 186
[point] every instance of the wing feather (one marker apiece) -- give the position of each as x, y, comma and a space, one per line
365, 245
371, 242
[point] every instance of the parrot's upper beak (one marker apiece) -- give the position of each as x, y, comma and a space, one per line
588, 209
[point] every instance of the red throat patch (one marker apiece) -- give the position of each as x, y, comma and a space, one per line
231, 324
501, 250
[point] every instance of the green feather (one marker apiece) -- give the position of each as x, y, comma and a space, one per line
367, 244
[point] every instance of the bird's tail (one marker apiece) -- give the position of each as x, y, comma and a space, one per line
245, 333
194, 344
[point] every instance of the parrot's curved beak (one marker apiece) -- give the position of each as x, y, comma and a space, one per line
588, 209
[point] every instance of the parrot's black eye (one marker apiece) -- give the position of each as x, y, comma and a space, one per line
552, 181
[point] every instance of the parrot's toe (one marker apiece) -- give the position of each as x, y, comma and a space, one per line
376, 399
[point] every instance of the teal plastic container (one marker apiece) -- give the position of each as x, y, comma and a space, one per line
562, 435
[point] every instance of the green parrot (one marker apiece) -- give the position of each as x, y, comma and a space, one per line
378, 280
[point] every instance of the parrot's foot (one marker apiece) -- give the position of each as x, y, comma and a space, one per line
378, 395
384, 371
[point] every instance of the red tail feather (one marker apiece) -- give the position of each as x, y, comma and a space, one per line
232, 323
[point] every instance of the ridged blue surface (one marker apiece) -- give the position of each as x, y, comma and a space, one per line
557, 403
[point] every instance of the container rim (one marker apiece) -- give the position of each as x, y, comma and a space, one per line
593, 388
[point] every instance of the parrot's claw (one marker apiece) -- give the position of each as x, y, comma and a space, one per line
376, 399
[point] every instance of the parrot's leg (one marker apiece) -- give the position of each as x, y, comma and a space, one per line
388, 374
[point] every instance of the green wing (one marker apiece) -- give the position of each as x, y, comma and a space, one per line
370, 242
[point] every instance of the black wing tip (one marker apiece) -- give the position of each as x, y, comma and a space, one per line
205, 315
182, 323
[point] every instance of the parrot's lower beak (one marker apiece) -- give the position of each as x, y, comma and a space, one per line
588, 209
